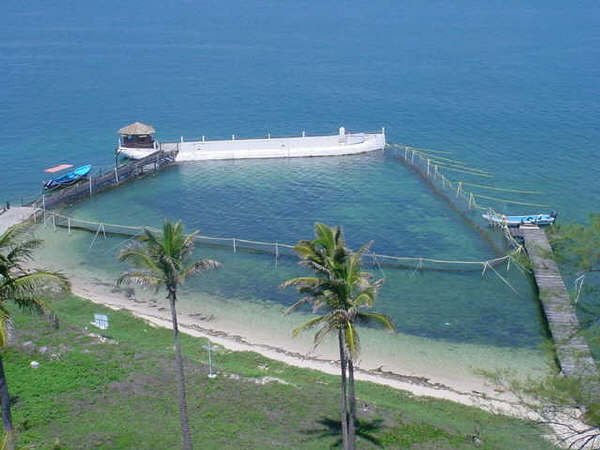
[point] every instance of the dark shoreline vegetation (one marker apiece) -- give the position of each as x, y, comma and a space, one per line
91, 392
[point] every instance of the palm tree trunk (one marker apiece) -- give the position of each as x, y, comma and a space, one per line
344, 395
352, 404
183, 413
5, 401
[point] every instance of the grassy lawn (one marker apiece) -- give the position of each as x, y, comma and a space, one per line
91, 392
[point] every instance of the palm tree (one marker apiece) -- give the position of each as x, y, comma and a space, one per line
343, 291
24, 288
164, 260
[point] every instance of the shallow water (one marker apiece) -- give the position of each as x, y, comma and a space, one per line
445, 337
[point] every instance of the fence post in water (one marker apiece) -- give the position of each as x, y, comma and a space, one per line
234, 249
276, 253
44, 208
428, 163
69, 225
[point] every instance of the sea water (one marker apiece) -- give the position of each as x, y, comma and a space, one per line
505, 87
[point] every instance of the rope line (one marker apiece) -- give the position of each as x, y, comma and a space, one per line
103, 229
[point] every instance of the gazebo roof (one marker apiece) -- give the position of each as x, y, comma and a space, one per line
136, 129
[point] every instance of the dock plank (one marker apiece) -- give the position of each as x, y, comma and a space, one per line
572, 350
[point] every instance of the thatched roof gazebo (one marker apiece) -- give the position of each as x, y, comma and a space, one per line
137, 135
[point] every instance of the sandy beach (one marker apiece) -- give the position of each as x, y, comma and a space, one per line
421, 378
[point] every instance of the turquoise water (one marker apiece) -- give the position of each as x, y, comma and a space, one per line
373, 196
507, 87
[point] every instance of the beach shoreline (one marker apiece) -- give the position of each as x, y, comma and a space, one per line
475, 391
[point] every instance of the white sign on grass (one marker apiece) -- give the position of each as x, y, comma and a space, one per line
100, 321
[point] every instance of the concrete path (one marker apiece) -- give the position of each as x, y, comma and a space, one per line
14, 216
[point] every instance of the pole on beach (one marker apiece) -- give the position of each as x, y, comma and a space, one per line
211, 374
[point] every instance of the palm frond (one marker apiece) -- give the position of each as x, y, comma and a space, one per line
300, 281
23, 251
33, 284
307, 325
5, 322
202, 266
379, 318
11, 235
326, 329
142, 278
352, 340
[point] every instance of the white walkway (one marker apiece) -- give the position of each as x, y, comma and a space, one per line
13, 216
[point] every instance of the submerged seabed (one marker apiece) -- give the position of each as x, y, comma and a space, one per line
444, 319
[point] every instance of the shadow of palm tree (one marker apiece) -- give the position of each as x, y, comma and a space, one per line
365, 429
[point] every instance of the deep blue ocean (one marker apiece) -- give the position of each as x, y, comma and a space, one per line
508, 87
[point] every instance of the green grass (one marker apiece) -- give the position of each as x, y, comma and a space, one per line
121, 394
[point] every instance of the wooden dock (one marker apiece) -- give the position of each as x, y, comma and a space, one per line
573, 354
99, 182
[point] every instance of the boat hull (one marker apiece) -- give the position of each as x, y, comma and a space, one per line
68, 178
515, 221
296, 147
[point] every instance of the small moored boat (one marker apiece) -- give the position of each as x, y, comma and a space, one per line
68, 178
515, 221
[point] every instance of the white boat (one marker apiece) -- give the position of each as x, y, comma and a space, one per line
515, 221
137, 141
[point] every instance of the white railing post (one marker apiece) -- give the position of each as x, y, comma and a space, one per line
234, 247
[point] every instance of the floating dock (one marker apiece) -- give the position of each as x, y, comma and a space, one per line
572, 351
137, 141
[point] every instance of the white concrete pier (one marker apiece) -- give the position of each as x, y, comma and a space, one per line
343, 143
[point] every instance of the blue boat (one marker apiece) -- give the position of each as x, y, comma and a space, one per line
69, 178
515, 221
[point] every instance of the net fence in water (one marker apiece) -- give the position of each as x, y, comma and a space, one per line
101, 230
433, 166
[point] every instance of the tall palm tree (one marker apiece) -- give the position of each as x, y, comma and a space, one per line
165, 260
23, 287
343, 291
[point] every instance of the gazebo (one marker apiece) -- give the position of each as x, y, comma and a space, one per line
137, 135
